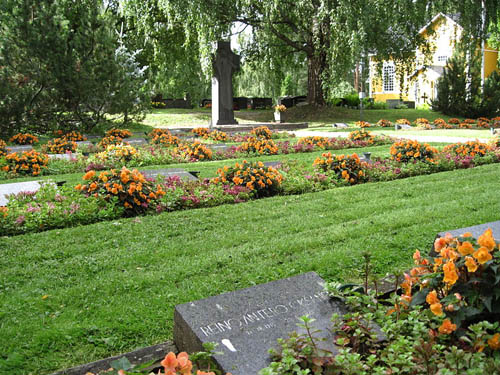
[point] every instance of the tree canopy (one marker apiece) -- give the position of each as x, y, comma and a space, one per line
330, 36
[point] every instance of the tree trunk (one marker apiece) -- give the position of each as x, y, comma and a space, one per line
316, 65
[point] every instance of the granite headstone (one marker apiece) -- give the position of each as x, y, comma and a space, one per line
402, 126
475, 230
247, 322
274, 164
135, 141
340, 125
12, 149
170, 172
16, 188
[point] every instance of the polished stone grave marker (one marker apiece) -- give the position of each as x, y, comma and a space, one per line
274, 164
475, 230
16, 188
170, 172
247, 322
12, 149
402, 127
84, 143
135, 141
340, 125
217, 147
62, 156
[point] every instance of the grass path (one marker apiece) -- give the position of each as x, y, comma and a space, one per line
112, 286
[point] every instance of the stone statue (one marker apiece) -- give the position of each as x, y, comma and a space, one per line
225, 63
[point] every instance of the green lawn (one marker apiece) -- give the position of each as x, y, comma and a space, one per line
112, 286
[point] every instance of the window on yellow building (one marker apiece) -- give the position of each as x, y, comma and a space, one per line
388, 76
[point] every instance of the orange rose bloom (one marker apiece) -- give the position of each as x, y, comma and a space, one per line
432, 298
486, 240
450, 273
494, 342
482, 255
437, 309
466, 248
447, 327
471, 264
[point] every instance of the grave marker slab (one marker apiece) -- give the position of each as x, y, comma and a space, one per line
247, 322
340, 125
136, 141
475, 230
217, 146
62, 156
15, 188
84, 143
274, 164
12, 149
170, 172
402, 127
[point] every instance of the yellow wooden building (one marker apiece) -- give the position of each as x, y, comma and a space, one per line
420, 86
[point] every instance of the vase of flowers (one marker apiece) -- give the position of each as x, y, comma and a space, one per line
279, 113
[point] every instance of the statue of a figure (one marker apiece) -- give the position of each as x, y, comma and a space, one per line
225, 63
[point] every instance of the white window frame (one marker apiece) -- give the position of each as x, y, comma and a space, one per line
388, 78
442, 58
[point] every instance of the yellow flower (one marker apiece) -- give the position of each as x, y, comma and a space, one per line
432, 298
471, 264
466, 248
486, 240
482, 255
450, 273
437, 309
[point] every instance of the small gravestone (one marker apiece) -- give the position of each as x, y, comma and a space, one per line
12, 149
136, 141
340, 125
475, 230
273, 164
402, 126
62, 156
247, 322
16, 188
171, 172
225, 63
95, 137
84, 143
218, 147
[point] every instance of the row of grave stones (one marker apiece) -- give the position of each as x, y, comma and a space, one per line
246, 323
6, 190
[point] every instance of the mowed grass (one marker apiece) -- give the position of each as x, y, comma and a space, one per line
111, 287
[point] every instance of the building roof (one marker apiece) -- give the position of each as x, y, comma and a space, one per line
452, 17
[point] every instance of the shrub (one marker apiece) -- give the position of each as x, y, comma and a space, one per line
24, 139
110, 140
403, 121
460, 283
483, 119
384, 123
158, 131
262, 132
166, 139
131, 188
439, 121
361, 135
195, 151
483, 124
495, 142
120, 153
317, 141
407, 150
255, 176
423, 126
120, 133
260, 146
469, 121
28, 163
201, 132
74, 136
465, 125
60, 146
158, 105
471, 148
3, 149
421, 121
363, 124
218, 136
454, 120
441, 124
346, 167
280, 108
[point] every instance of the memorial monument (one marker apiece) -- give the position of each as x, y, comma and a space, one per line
225, 63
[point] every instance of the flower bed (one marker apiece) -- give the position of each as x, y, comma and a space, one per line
3, 149
347, 168
361, 135
60, 146
315, 141
471, 148
26, 163
262, 132
117, 154
384, 123
120, 133
362, 124
261, 146
166, 139
74, 136
194, 151
408, 150
110, 140
24, 139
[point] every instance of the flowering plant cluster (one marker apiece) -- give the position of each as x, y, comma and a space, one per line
495, 142
110, 140
280, 108
131, 188
60, 146
120, 133
158, 131
363, 124
262, 132
384, 123
218, 136
28, 163
194, 151
441, 124
348, 168
317, 141
74, 136
361, 135
421, 120
119, 153
260, 180
158, 105
465, 125
471, 148
483, 124
454, 120
423, 126
407, 150
201, 132
459, 283
3, 150
24, 139
403, 121
260, 146
166, 139
469, 121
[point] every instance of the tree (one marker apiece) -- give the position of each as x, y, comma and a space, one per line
330, 35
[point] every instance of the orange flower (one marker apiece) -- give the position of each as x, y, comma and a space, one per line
447, 327
185, 364
482, 255
432, 298
494, 342
89, 175
466, 248
471, 264
486, 240
450, 273
170, 363
205, 373
437, 309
